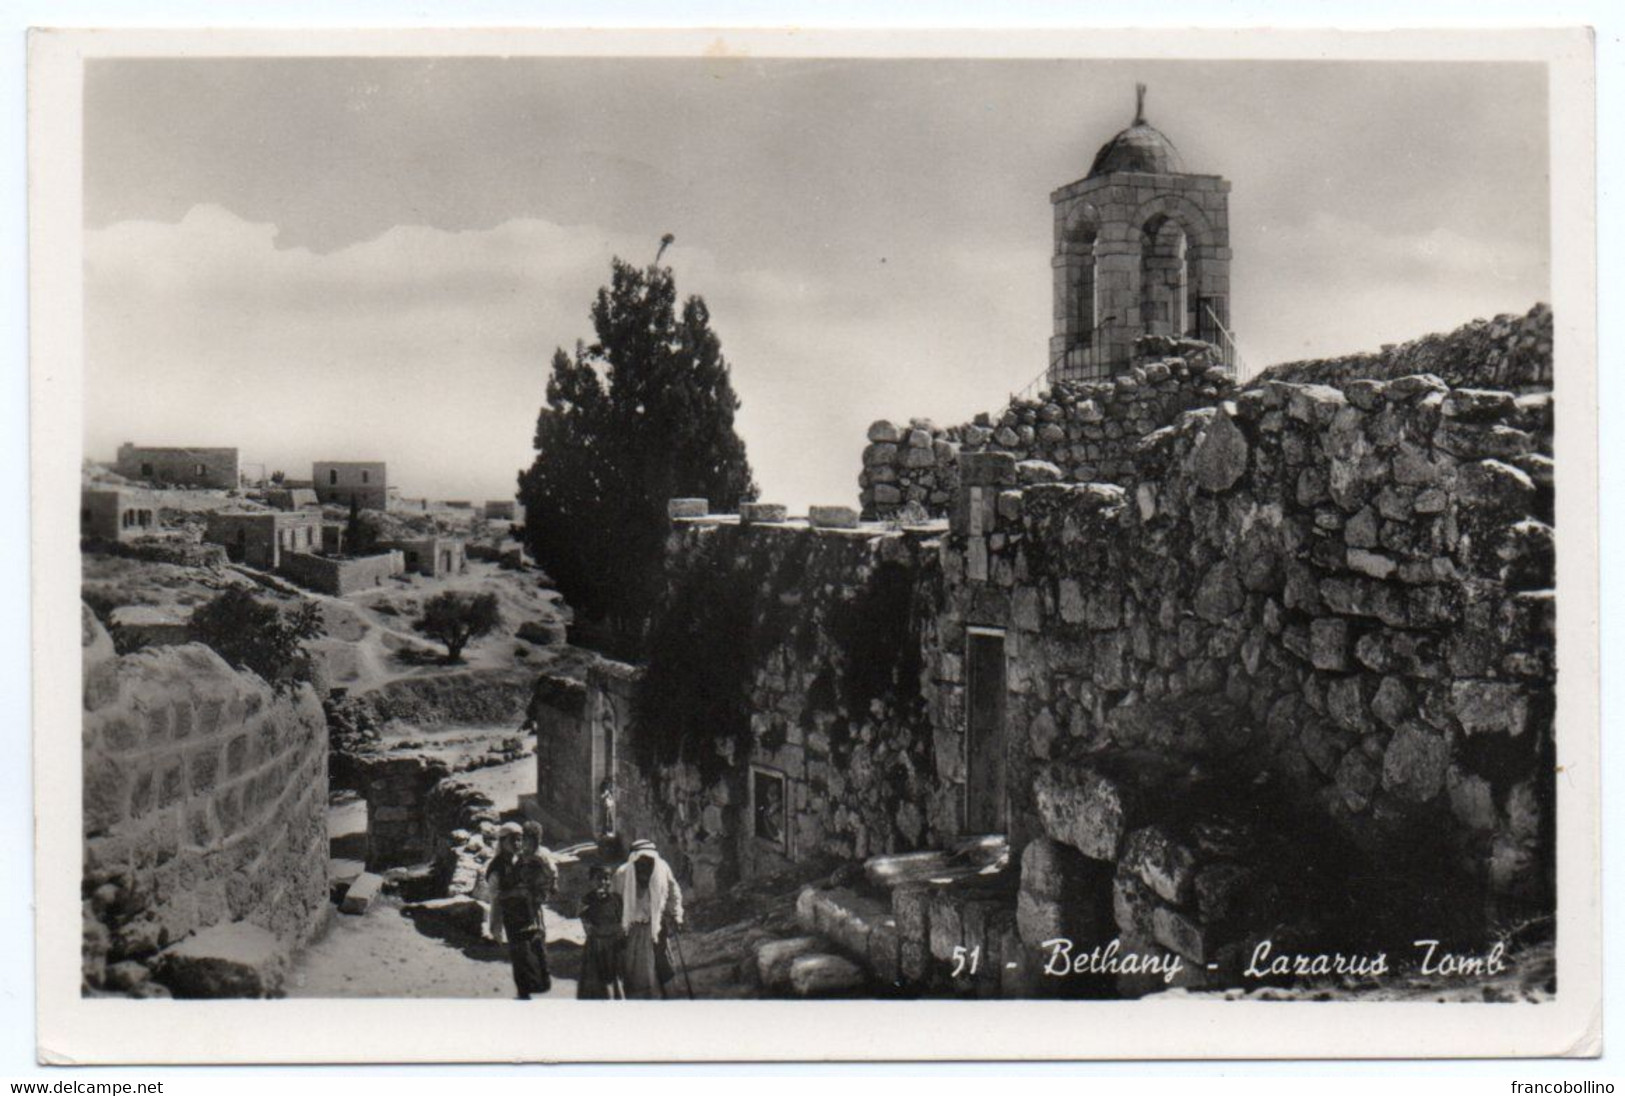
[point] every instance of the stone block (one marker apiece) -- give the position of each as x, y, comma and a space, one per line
765, 513
987, 470
458, 914
885, 953
1037, 471
773, 959
884, 432
1132, 903
1413, 768
1490, 707
832, 517
1219, 458
818, 975
1085, 809
1181, 933
946, 930
1161, 862
687, 508
229, 960
362, 891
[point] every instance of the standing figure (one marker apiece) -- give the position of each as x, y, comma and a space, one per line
600, 914
651, 905
606, 807
521, 877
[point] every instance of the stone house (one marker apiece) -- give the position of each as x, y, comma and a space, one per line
339, 483
260, 539
507, 510
116, 513
432, 557
290, 498
179, 467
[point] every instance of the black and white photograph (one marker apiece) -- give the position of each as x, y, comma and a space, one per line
820, 529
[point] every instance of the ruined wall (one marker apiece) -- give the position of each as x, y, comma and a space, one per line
1338, 602
791, 652
565, 785
205, 797
341, 576
1089, 431
1513, 353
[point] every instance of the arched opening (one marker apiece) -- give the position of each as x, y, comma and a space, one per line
1082, 320
1167, 307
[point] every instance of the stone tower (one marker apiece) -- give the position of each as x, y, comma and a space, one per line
1141, 247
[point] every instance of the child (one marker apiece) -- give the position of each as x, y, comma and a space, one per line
601, 919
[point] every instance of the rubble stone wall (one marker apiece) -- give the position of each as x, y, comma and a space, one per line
205, 798
1084, 431
1513, 353
819, 631
341, 576
1338, 599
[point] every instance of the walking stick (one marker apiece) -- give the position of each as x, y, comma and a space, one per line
677, 943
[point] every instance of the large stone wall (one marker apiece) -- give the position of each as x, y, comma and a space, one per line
802, 646
1086, 431
1333, 603
205, 797
1513, 353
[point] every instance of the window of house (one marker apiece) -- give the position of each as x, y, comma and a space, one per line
202, 470
146, 468
366, 476
332, 476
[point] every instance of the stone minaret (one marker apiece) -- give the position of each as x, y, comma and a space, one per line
1141, 247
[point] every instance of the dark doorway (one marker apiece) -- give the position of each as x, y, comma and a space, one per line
985, 805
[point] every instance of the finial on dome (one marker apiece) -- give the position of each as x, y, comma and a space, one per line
1139, 104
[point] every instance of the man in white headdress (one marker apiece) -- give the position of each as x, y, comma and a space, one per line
651, 905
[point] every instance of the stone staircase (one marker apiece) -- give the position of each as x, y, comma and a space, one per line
935, 923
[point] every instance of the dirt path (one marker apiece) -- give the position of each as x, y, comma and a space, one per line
385, 954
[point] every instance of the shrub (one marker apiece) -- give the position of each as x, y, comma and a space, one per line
455, 618
254, 635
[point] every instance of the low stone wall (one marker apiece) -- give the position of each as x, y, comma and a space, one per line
205, 798
1085, 431
339, 576
1513, 353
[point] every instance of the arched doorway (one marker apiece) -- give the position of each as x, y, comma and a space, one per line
1167, 307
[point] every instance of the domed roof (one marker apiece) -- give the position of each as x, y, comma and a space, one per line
1140, 147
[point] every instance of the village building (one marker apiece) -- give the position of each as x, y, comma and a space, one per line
116, 513
508, 510
341, 483
432, 557
290, 498
261, 538
179, 467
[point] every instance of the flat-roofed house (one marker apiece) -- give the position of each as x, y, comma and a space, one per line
260, 538
341, 482
116, 513
179, 466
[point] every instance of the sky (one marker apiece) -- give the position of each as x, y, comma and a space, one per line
375, 259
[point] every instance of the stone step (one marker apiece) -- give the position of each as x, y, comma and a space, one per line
235, 959
361, 894
774, 957
823, 975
